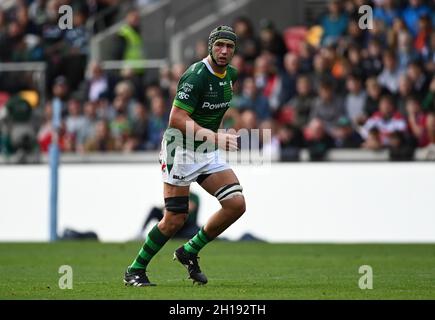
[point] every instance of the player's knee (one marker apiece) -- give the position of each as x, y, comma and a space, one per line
231, 198
236, 205
240, 204
171, 223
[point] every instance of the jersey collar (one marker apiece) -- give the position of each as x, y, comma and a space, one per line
219, 75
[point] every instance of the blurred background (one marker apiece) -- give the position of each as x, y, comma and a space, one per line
328, 90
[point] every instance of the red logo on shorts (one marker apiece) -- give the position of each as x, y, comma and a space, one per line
163, 166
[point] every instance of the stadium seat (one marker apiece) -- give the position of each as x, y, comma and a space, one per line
4, 97
293, 36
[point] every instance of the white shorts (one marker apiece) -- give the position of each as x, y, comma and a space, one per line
184, 166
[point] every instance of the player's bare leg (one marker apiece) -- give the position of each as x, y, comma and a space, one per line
225, 187
176, 210
232, 208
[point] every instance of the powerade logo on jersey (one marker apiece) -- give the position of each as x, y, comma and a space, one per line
213, 106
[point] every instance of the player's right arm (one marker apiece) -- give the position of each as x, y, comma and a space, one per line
180, 119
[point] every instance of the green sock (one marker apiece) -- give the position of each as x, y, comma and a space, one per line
197, 242
154, 242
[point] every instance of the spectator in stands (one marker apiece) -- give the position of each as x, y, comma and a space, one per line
247, 44
252, 99
268, 80
102, 141
429, 100
416, 121
345, 136
429, 54
135, 82
289, 77
97, 82
393, 33
104, 109
239, 63
22, 17
405, 50
305, 58
422, 40
419, 80
379, 32
52, 40
389, 77
350, 7
13, 40
177, 71
334, 24
405, 90
331, 57
76, 49
37, 12
87, 131
413, 12
355, 58
17, 127
327, 106
302, 102
386, 12
271, 40
291, 141
270, 147
151, 91
321, 71
400, 148
386, 120
139, 130
430, 129
74, 120
128, 45
3, 23
165, 80
124, 98
157, 122
374, 92
120, 128
318, 141
201, 51
248, 122
45, 130
355, 99
61, 91
372, 64
355, 34
373, 140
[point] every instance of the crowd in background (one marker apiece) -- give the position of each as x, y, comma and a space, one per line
330, 84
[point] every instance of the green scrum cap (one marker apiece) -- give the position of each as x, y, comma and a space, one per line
221, 32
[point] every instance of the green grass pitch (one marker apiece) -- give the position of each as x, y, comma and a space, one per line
236, 270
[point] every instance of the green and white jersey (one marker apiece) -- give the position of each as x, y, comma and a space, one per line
205, 95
